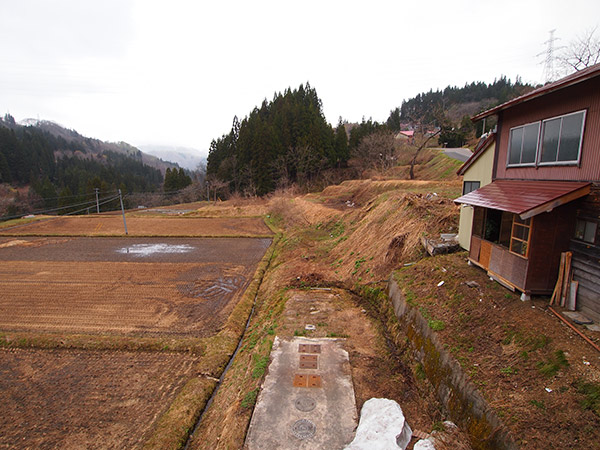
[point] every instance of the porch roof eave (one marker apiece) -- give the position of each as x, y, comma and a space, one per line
527, 198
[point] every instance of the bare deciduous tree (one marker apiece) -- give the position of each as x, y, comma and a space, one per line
425, 140
215, 185
377, 150
582, 52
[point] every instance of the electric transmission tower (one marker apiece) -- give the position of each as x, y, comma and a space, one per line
549, 73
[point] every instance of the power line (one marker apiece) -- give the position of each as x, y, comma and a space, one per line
90, 203
56, 217
74, 196
45, 211
103, 203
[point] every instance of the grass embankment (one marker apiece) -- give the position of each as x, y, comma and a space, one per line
439, 167
19, 339
539, 377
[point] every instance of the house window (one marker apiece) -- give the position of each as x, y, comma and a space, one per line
493, 225
520, 235
523, 144
561, 139
470, 186
585, 230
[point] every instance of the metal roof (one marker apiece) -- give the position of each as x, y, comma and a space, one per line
525, 198
479, 150
569, 80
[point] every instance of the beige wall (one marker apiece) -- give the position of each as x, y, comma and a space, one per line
464, 226
480, 170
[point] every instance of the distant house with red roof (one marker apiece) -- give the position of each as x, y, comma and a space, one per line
406, 135
544, 195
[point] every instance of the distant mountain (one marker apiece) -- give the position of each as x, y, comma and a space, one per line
186, 157
79, 145
60, 167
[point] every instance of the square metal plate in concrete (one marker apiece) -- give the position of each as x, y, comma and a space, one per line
314, 381
308, 362
300, 380
309, 348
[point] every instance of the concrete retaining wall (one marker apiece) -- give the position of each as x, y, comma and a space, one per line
466, 406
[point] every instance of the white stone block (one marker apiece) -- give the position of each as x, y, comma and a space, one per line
382, 426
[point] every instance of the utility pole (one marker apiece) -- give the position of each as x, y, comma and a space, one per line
97, 202
123, 211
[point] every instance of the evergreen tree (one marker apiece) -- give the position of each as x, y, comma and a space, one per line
288, 135
183, 180
170, 183
393, 121
65, 198
47, 191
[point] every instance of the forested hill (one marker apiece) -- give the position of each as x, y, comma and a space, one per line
74, 143
69, 165
455, 105
286, 140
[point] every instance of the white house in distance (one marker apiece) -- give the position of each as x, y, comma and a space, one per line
476, 173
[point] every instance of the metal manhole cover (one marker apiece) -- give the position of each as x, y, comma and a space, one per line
305, 404
304, 429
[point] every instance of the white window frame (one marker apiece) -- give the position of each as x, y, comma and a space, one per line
541, 135
537, 146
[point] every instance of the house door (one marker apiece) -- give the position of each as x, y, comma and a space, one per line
485, 254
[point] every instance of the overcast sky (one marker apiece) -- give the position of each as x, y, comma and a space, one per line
176, 72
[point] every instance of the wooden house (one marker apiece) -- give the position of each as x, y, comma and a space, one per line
544, 197
476, 173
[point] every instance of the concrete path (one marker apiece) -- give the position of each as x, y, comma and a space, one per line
307, 398
462, 154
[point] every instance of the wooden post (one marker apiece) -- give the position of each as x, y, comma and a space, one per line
558, 288
567, 279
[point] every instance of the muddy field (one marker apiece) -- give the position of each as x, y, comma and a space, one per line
82, 399
126, 286
107, 290
141, 226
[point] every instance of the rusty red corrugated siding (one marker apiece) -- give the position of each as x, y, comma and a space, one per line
574, 78
585, 95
